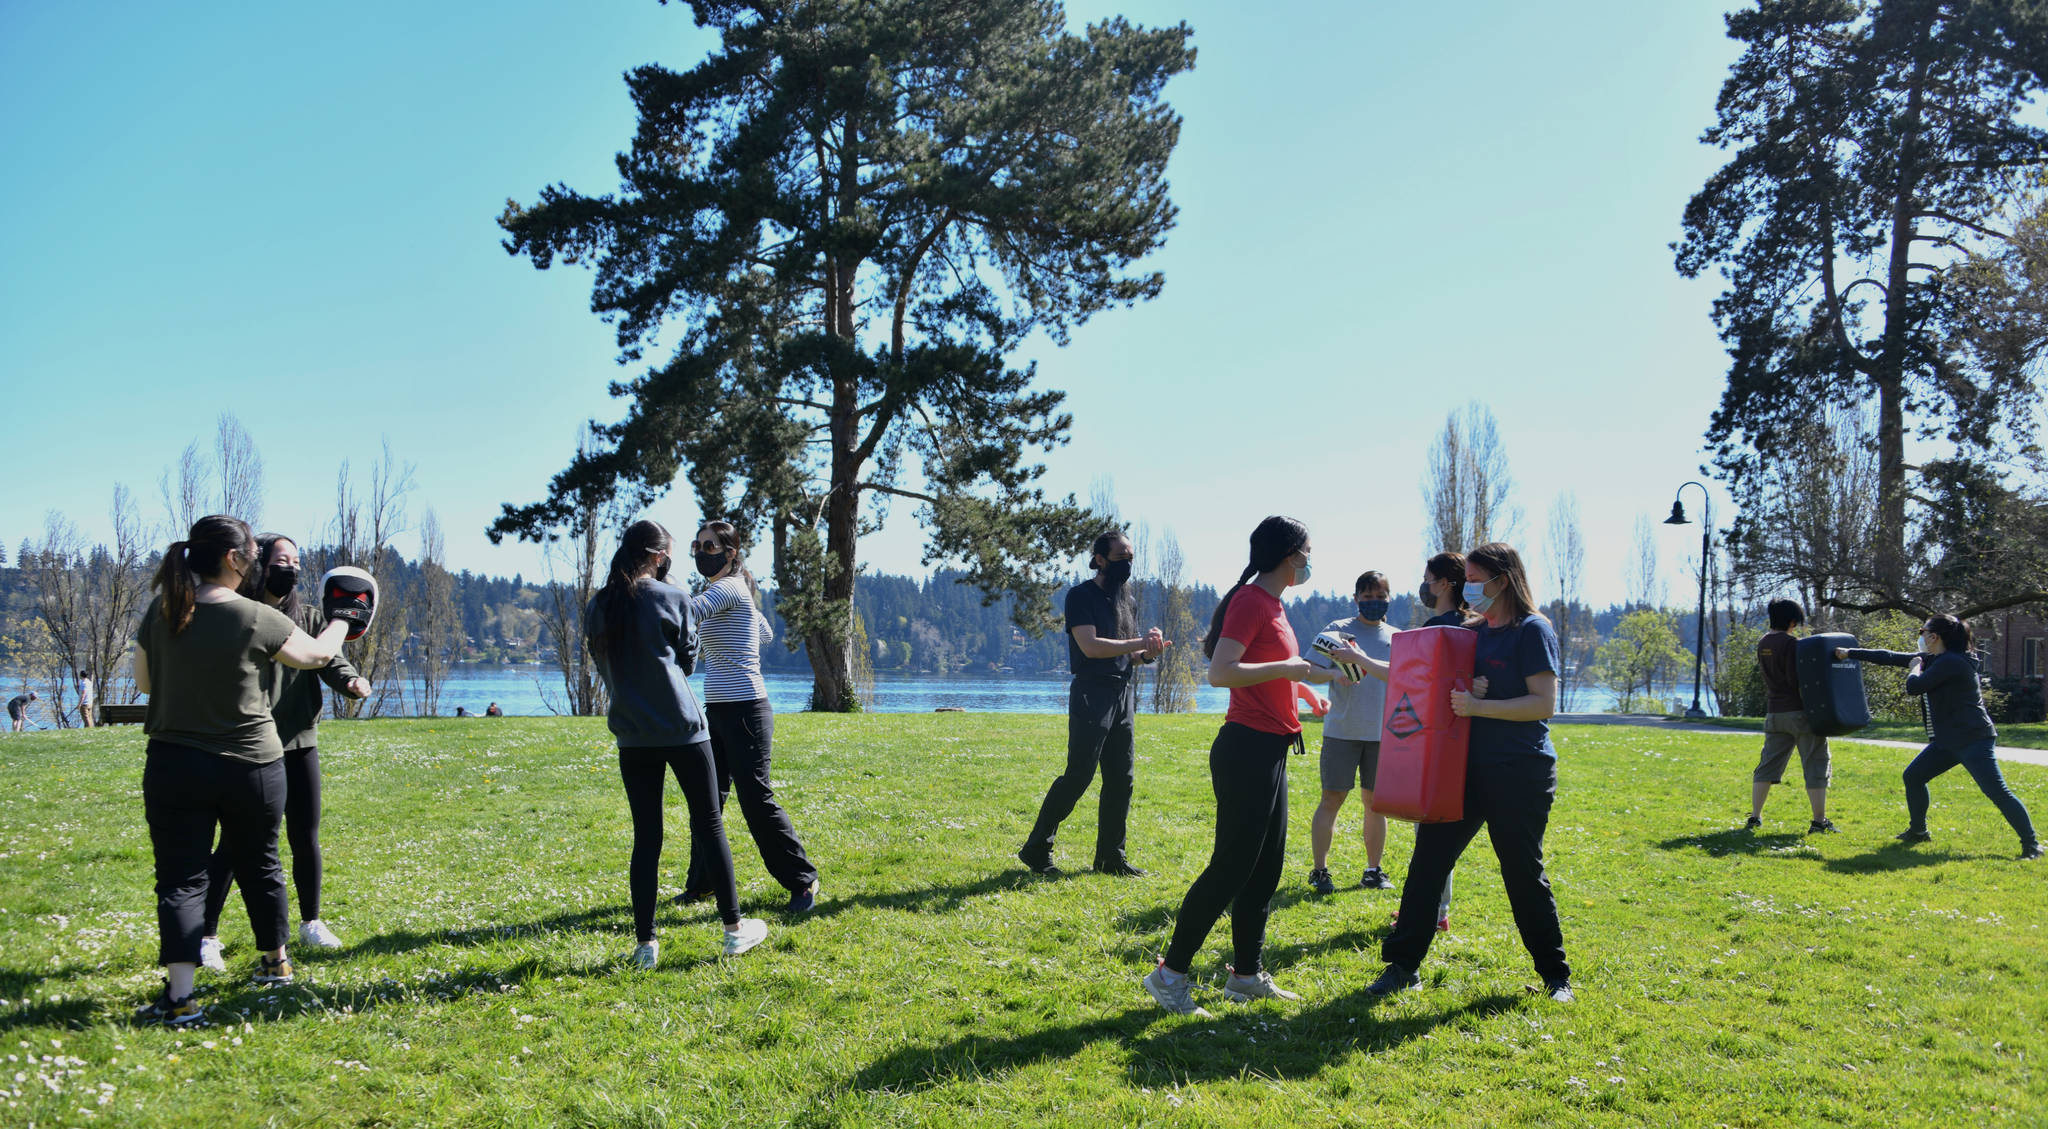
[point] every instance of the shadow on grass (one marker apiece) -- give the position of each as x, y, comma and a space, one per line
1735, 841
1164, 1051
1893, 856
943, 897
74, 1013
406, 940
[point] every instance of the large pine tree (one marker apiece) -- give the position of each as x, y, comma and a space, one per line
851, 214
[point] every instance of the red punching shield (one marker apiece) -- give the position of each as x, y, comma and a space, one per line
1422, 743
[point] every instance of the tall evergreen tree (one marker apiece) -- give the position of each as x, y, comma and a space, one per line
853, 211
1878, 150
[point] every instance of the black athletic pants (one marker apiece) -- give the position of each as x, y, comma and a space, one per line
644, 770
186, 792
742, 743
1099, 732
1248, 770
1980, 759
301, 831
1512, 799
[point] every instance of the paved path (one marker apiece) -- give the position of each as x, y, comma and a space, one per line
2006, 753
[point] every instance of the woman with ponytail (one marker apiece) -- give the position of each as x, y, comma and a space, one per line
640, 633
203, 655
1510, 778
1443, 590
733, 630
295, 704
1251, 651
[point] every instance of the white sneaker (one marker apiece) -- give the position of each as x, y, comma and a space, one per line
316, 934
645, 956
1176, 996
1244, 989
749, 932
209, 954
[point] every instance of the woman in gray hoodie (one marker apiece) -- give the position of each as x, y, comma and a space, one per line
1959, 728
639, 632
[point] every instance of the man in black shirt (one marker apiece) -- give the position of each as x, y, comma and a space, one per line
1101, 638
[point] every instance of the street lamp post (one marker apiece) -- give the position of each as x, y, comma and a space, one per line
1699, 628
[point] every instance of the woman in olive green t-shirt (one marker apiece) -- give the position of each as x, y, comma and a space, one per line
213, 755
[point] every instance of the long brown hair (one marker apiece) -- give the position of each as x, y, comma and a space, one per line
1276, 539
632, 562
203, 553
729, 539
1500, 559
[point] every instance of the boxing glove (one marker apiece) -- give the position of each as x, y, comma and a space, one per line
349, 594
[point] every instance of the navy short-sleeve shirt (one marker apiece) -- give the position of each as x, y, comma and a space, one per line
1506, 657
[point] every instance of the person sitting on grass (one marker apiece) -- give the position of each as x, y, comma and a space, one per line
1785, 725
1959, 728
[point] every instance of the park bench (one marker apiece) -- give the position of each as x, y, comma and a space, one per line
120, 715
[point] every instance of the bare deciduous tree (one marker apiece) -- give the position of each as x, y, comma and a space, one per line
361, 534
183, 488
88, 599
1644, 587
576, 559
1174, 679
1467, 492
436, 624
1565, 553
241, 470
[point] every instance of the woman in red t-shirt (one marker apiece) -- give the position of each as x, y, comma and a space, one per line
1252, 651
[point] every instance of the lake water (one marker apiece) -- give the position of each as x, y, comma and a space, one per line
522, 690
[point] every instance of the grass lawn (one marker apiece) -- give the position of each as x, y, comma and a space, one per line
2029, 736
477, 871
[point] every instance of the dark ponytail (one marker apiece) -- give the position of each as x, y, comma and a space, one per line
1276, 539
632, 562
1450, 566
1126, 597
203, 553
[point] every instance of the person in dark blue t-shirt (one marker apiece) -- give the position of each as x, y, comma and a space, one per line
1102, 638
1510, 778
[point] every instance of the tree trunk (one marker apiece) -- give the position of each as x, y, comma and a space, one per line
1890, 550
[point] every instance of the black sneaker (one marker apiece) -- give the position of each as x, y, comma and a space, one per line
1559, 991
1118, 867
1753, 823
1038, 860
803, 901
692, 895
169, 1012
1822, 826
1912, 835
2029, 852
273, 971
1319, 881
1394, 979
1375, 879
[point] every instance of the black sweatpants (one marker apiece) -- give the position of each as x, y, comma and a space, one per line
742, 744
301, 831
186, 792
1248, 771
645, 770
1512, 799
1100, 712
1980, 759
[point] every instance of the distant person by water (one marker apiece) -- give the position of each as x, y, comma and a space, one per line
17, 710
494, 711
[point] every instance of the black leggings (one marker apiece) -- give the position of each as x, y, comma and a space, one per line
1980, 759
1512, 799
301, 830
185, 793
1248, 770
742, 741
644, 770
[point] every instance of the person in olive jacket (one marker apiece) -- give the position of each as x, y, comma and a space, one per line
1959, 728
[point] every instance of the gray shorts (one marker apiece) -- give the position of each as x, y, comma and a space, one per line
1349, 764
1784, 732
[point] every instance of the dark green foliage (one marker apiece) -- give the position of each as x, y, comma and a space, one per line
850, 215
1866, 227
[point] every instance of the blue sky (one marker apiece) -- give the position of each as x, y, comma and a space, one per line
1386, 210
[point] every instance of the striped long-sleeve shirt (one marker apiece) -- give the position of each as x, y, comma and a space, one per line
731, 632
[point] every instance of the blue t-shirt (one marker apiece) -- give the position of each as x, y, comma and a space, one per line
1506, 657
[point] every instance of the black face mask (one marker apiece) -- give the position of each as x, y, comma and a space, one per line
1116, 573
279, 581
661, 570
710, 564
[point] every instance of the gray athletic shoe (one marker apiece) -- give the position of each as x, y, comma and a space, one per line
1176, 997
315, 934
1245, 989
645, 956
749, 932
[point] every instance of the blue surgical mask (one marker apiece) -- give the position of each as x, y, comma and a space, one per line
1475, 595
1372, 611
1301, 573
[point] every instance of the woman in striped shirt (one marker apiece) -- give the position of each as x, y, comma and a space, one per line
731, 631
